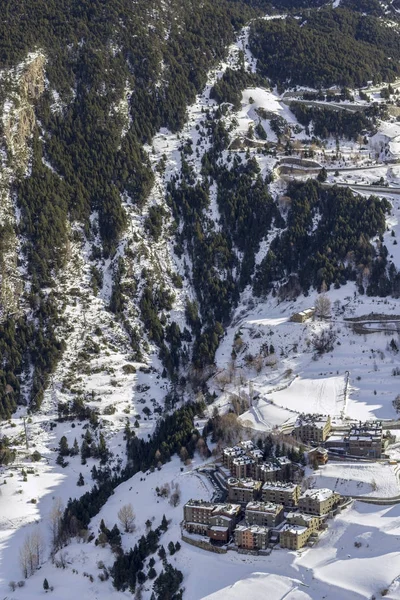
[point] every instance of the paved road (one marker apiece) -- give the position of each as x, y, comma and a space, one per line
220, 493
329, 105
371, 189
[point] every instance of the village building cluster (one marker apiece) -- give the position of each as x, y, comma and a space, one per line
357, 440
366, 440
246, 461
264, 505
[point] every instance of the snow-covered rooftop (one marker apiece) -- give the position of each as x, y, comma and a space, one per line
279, 486
268, 467
243, 460
295, 529
253, 528
268, 507
319, 494
311, 419
305, 517
243, 483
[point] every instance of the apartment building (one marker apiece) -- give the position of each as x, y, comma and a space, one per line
256, 454
246, 461
252, 537
319, 501
229, 454
294, 537
242, 491
363, 439
242, 467
205, 518
281, 493
318, 455
366, 439
312, 522
266, 514
268, 471
312, 428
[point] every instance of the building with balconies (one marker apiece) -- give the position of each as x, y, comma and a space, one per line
242, 491
281, 493
318, 501
252, 537
267, 514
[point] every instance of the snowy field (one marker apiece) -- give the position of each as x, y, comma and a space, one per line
358, 479
261, 586
333, 569
265, 416
324, 396
295, 378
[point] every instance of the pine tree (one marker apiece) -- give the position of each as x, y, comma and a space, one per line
75, 448
152, 573
81, 481
171, 547
164, 523
102, 449
114, 537
322, 175
63, 446
85, 451
103, 527
46, 586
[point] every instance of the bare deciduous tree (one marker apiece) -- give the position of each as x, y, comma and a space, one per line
324, 341
222, 379
61, 560
126, 517
55, 518
24, 560
323, 306
175, 496
183, 454
202, 447
31, 553
164, 491
38, 546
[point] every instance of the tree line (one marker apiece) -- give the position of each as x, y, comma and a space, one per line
326, 47
327, 238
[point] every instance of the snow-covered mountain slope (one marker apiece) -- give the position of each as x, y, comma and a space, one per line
130, 345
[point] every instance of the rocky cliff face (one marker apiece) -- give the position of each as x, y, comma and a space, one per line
23, 86
26, 83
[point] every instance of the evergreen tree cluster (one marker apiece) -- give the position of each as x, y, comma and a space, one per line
27, 344
7, 455
247, 213
173, 432
123, 45
376, 8
338, 123
326, 47
128, 567
229, 87
331, 251
95, 51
